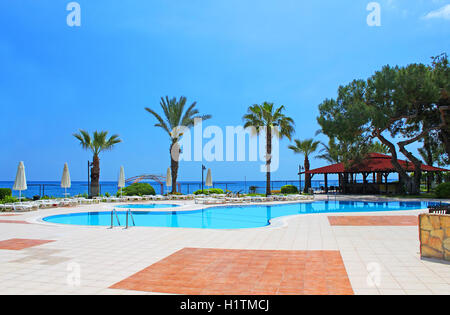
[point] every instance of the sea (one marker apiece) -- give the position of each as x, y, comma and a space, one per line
53, 188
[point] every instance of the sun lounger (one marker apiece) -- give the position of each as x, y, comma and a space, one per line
209, 201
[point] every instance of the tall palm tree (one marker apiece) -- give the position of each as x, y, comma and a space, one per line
98, 143
175, 116
267, 117
305, 147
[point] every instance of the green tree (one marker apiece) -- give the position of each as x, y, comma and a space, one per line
331, 152
398, 101
176, 119
305, 147
376, 147
441, 77
271, 120
98, 143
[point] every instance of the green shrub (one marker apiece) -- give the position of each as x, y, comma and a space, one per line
9, 199
107, 194
443, 190
209, 191
289, 189
4, 192
138, 189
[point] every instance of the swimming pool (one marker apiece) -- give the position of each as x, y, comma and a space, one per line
147, 206
230, 217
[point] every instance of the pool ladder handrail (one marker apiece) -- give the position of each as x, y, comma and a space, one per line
128, 213
132, 218
114, 212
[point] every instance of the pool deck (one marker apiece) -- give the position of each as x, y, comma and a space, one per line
339, 253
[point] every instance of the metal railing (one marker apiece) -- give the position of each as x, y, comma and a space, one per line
132, 219
114, 212
128, 213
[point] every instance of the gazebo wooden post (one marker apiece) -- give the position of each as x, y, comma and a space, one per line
340, 181
386, 181
326, 182
365, 181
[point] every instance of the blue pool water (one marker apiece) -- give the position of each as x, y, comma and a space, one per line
231, 217
147, 206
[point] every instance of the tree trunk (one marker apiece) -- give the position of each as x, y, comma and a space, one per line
417, 163
268, 159
415, 188
95, 176
174, 162
444, 133
307, 176
404, 177
429, 161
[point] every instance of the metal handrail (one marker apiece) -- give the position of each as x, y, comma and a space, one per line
132, 218
113, 211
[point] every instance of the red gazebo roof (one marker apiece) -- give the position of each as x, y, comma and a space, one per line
375, 162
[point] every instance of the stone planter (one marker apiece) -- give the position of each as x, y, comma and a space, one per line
434, 234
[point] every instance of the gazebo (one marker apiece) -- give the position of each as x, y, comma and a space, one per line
377, 165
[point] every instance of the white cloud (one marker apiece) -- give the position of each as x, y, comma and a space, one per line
442, 13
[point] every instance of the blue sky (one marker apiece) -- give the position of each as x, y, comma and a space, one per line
224, 54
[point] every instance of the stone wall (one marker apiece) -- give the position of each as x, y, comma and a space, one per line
434, 233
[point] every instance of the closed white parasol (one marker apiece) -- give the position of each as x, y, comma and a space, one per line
121, 183
21, 181
65, 181
208, 182
169, 178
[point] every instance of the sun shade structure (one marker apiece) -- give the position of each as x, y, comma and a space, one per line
65, 181
208, 182
380, 165
21, 181
148, 177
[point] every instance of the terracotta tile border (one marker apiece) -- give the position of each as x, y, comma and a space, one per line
19, 244
243, 272
390, 220
14, 222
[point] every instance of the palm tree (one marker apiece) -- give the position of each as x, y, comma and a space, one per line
96, 144
377, 147
306, 147
176, 117
331, 152
266, 117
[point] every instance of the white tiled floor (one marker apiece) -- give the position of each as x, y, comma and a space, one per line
378, 260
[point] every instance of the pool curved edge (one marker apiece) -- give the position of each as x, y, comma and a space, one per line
274, 223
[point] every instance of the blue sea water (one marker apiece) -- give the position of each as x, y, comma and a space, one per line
230, 217
53, 188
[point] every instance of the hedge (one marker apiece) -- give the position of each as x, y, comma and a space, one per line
5, 192
209, 191
443, 190
137, 189
289, 189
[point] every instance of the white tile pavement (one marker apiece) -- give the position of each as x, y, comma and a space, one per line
378, 260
